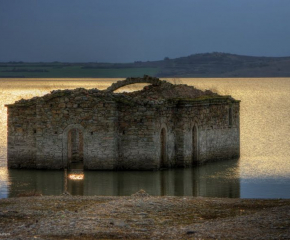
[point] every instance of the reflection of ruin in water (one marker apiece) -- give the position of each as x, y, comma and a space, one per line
74, 182
208, 181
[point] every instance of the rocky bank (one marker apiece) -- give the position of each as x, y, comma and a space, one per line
141, 216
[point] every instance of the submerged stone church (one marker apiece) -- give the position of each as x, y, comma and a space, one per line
162, 126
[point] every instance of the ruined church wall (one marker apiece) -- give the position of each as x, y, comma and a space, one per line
95, 119
139, 130
136, 147
38, 135
217, 135
102, 139
223, 138
121, 135
21, 137
165, 119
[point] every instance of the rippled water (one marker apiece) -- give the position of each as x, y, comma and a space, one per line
263, 170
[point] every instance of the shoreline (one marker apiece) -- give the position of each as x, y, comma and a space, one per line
141, 216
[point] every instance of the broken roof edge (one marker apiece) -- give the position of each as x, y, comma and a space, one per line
137, 97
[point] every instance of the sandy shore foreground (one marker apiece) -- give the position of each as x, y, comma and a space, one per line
141, 216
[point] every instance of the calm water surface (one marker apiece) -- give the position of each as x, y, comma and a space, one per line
263, 170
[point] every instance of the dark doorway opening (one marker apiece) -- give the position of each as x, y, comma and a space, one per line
163, 148
75, 149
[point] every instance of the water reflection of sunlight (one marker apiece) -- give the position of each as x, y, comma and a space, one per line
76, 176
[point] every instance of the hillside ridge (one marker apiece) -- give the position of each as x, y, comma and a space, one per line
202, 65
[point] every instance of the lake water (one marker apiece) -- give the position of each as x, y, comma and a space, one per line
263, 170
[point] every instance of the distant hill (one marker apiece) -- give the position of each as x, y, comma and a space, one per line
197, 65
223, 65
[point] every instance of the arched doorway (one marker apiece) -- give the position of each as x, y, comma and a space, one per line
75, 148
194, 145
163, 145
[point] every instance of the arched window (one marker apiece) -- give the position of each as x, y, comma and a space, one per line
163, 145
75, 148
194, 145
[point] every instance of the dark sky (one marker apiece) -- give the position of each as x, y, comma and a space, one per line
132, 30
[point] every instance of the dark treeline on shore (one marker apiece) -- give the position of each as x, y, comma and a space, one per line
216, 65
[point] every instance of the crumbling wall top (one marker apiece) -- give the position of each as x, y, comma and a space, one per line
158, 92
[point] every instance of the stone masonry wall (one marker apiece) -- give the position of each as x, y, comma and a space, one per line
136, 147
21, 137
95, 117
38, 134
217, 138
120, 134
